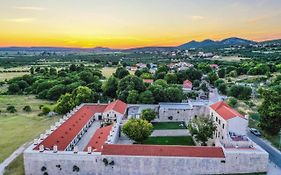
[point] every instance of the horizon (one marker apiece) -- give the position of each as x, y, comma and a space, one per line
131, 23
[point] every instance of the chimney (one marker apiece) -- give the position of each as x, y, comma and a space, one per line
55, 148
41, 148
35, 142
75, 149
89, 150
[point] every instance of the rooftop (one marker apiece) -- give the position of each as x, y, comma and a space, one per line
118, 106
157, 150
66, 132
99, 138
225, 111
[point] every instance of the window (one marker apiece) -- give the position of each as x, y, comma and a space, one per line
178, 112
222, 137
212, 114
219, 122
222, 126
216, 119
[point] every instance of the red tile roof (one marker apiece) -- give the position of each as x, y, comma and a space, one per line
118, 106
65, 133
99, 138
148, 81
159, 150
225, 111
187, 84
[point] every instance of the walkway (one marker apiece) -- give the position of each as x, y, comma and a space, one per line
88, 135
171, 132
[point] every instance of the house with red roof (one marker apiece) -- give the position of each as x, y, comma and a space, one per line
231, 125
149, 81
187, 86
115, 111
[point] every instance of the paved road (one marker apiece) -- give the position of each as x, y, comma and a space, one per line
274, 154
171, 132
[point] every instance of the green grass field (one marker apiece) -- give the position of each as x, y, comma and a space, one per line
170, 140
21, 127
9, 75
168, 125
16, 167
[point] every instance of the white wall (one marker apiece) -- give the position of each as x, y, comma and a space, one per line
238, 125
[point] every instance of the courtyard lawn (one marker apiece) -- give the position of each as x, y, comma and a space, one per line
170, 140
168, 125
21, 127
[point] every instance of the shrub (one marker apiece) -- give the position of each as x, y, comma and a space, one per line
45, 110
11, 109
27, 109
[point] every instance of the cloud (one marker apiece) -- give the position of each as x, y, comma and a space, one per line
21, 20
198, 17
30, 8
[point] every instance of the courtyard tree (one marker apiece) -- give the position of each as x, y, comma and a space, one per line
137, 129
133, 97
202, 129
148, 114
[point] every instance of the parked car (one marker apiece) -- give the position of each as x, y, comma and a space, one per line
255, 132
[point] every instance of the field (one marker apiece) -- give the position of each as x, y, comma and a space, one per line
108, 71
170, 140
15, 167
9, 75
168, 125
21, 127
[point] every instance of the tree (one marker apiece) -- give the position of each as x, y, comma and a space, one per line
121, 72
45, 110
137, 129
222, 88
240, 92
55, 92
64, 104
196, 83
171, 78
204, 87
146, 97
270, 111
83, 94
133, 97
148, 114
221, 73
232, 102
202, 129
174, 94
11, 109
212, 76
31, 70
86, 76
158, 93
14, 88
27, 109
110, 87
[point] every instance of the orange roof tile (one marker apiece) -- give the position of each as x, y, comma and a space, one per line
225, 111
187, 84
66, 132
99, 138
160, 150
118, 106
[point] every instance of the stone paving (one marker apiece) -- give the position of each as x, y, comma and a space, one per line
88, 135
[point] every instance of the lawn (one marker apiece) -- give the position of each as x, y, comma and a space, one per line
16, 167
9, 75
21, 127
168, 125
170, 140
108, 71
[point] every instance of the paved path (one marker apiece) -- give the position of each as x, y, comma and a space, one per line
171, 132
88, 135
12, 157
274, 154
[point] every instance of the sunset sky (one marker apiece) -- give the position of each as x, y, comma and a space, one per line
134, 23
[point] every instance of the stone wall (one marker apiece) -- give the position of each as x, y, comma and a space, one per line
183, 114
66, 163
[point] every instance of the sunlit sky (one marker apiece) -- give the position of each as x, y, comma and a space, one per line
135, 23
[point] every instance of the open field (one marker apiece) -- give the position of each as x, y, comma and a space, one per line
16, 167
170, 140
168, 125
10, 75
108, 71
229, 58
21, 127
